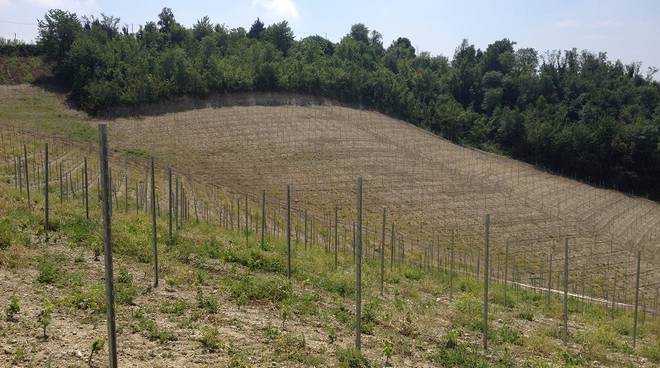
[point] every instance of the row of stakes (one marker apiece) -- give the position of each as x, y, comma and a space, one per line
106, 209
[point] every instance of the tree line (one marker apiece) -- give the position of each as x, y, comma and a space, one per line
573, 112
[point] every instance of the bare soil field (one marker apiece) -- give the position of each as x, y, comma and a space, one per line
429, 185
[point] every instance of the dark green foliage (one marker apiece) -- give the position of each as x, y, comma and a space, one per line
576, 113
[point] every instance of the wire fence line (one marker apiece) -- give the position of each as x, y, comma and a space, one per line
436, 195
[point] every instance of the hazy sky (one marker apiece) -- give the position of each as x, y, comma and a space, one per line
626, 30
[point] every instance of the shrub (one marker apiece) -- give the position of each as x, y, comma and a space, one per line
452, 353
45, 316
97, 346
12, 309
152, 331
210, 339
526, 313
388, 349
207, 303
369, 317
49, 271
351, 358
508, 335
250, 288
90, 298
126, 291
469, 315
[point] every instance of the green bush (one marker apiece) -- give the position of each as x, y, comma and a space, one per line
263, 288
12, 309
210, 339
351, 358
508, 335
470, 312
453, 354
49, 270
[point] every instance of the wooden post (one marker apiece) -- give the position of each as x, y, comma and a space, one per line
107, 245
486, 278
238, 214
506, 271
247, 225
336, 235
305, 229
138, 194
549, 278
634, 335
46, 191
86, 188
452, 264
126, 189
263, 218
358, 270
27, 179
565, 330
382, 254
154, 238
19, 168
655, 302
16, 173
288, 231
169, 203
61, 186
392, 242
176, 203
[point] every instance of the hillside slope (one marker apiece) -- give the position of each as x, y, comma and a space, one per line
430, 186
224, 299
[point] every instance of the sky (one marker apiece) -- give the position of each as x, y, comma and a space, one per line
626, 30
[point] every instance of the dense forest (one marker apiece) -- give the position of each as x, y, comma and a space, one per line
576, 113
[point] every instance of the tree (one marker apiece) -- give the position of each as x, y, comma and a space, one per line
400, 49
166, 20
57, 32
256, 29
280, 35
571, 111
202, 28
360, 33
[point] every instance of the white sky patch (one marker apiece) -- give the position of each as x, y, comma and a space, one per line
278, 9
566, 23
4, 4
609, 23
77, 6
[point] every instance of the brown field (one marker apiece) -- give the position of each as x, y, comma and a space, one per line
429, 185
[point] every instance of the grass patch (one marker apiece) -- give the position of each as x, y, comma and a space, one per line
351, 358
452, 353
262, 288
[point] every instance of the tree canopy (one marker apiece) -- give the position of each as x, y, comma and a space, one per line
573, 112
